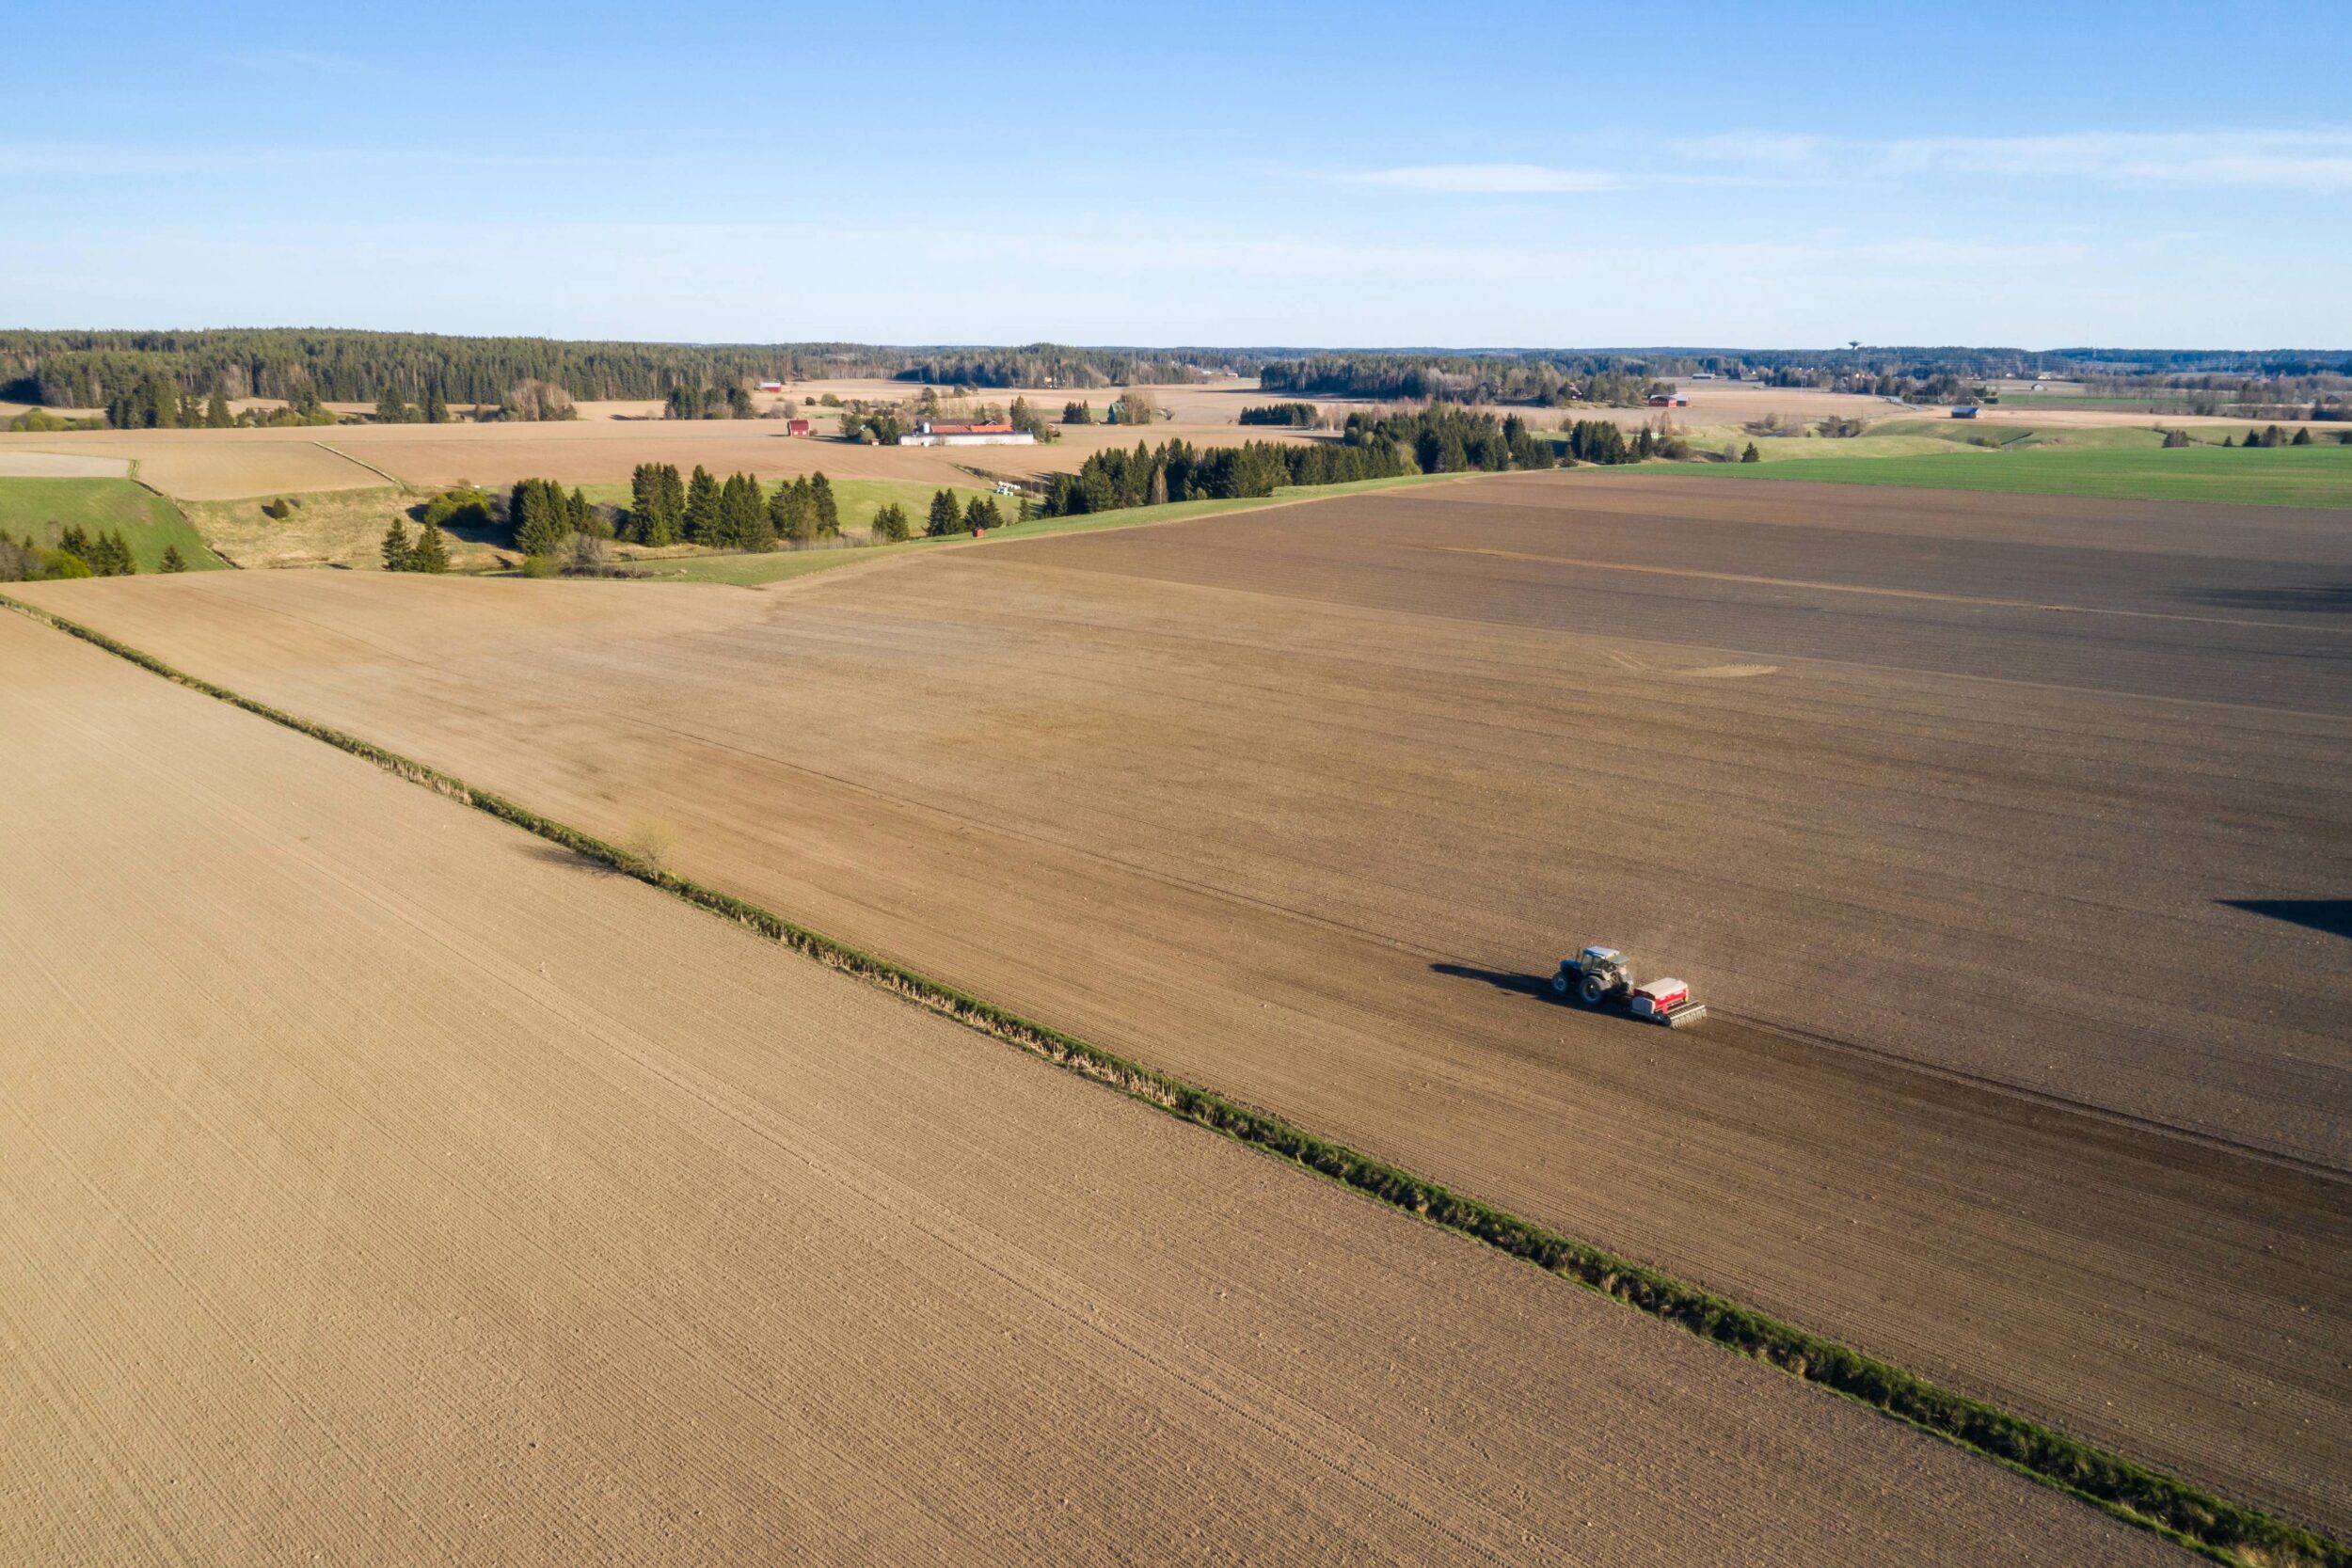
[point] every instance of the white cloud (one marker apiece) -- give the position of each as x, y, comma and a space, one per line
1489, 180
2317, 159
2304, 159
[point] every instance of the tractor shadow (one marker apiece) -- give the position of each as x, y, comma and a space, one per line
1538, 985
2331, 915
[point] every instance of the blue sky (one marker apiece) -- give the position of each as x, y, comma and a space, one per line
1687, 173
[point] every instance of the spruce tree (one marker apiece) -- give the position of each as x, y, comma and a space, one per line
727, 532
1751, 455
828, 510
396, 547
217, 415
890, 524
541, 516
943, 515
702, 506
2302, 438
430, 553
436, 409
173, 560
756, 525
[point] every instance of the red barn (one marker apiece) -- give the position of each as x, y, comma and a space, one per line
796, 427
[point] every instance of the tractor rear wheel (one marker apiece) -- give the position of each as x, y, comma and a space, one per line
1594, 991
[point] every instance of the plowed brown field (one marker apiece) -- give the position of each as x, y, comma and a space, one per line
220, 465
2003, 832
383, 1186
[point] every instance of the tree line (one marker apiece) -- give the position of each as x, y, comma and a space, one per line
1176, 470
1443, 438
78, 553
91, 369
1295, 416
735, 514
1544, 381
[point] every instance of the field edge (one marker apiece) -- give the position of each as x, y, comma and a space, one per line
2208, 1526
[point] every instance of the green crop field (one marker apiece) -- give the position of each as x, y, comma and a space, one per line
45, 507
751, 571
2271, 476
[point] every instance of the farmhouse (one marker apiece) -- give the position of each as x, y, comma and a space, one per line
1669, 400
934, 433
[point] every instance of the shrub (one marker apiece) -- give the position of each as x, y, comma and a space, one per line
648, 844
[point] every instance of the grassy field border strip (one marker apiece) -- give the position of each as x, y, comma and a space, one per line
2211, 1526
402, 485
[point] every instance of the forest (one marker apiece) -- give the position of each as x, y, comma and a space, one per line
90, 370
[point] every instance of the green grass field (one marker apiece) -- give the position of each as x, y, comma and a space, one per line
752, 571
2273, 476
858, 498
43, 508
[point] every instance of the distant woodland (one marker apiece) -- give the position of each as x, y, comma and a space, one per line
187, 378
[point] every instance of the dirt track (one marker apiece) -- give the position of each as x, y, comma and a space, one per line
384, 1186
1301, 804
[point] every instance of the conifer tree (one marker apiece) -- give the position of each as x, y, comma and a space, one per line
2302, 437
702, 506
396, 547
890, 524
756, 525
430, 553
436, 409
173, 560
1751, 455
217, 415
943, 515
541, 516
828, 510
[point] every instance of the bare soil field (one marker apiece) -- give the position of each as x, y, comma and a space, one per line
2003, 833
57, 465
221, 464
386, 1185
215, 465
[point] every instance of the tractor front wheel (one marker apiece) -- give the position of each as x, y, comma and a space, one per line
1559, 983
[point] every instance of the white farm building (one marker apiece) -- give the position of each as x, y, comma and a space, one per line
932, 433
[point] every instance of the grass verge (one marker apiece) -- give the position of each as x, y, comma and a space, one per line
2219, 1531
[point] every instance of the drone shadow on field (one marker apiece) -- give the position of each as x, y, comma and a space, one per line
2331, 915
1501, 979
